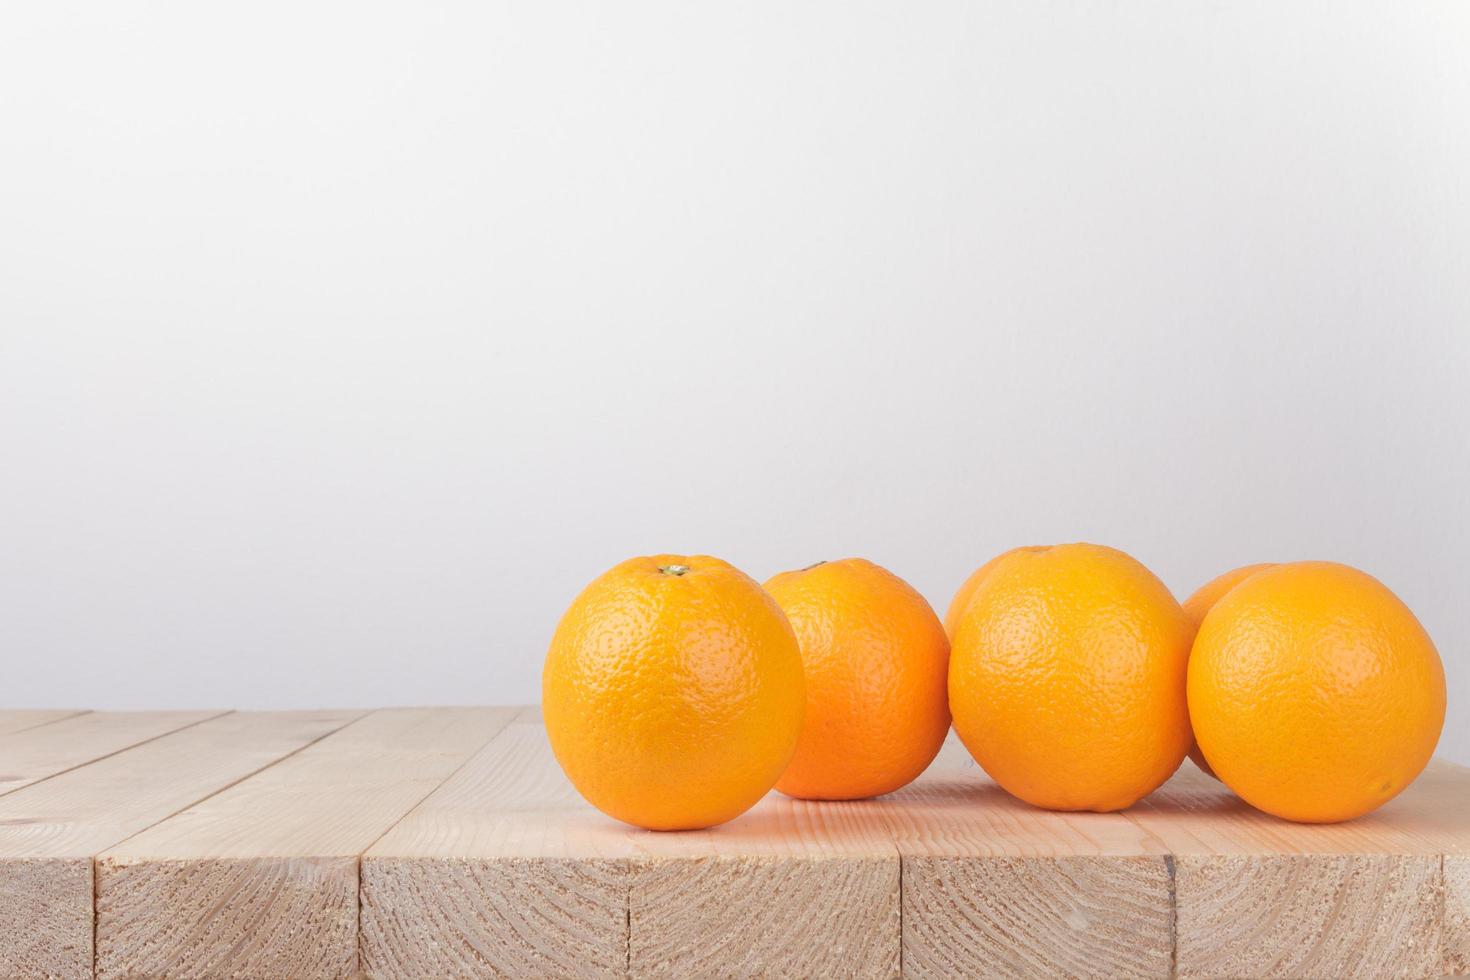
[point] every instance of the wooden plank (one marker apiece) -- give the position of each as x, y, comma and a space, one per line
19, 719
1455, 938
262, 878
505, 871
791, 888
1262, 897
34, 754
502, 871
50, 831
1436, 811
995, 887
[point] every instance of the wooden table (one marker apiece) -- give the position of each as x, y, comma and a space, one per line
445, 842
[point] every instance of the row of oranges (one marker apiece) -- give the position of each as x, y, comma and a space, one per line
678, 691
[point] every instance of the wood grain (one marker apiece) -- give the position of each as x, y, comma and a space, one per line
50, 831
1262, 897
1365, 915
1455, 937
505, 871
791, 888
1435, 811
39, 752
995, 887
19, 719
261, 879
447, 843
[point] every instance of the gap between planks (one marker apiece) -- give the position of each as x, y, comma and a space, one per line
23, 719
44, 751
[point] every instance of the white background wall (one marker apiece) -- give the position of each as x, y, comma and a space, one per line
341, 343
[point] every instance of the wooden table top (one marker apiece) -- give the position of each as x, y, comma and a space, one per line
445, 842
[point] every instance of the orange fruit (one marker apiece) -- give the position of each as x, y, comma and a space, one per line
1315, 693
876, 660
1066, 678
967, 589
672, 692
1200, 603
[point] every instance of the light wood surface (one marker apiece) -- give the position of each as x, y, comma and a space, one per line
505, 871
994, 887
1257, 896
447, 843
32, 754
1455, 948
50, 831
791, 888
1435, 810
262, 878
19, 719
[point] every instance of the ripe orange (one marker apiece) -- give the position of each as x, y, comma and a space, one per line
673, 692
876, 659
1315, 693
1066, 678
967, 589
1200, 603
